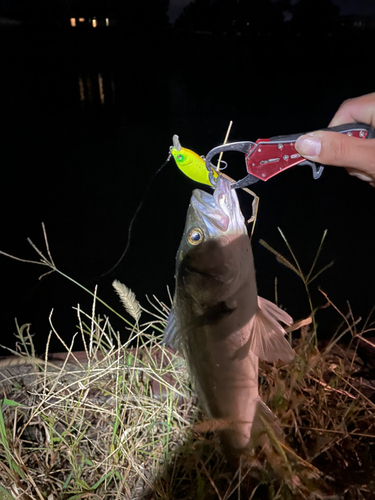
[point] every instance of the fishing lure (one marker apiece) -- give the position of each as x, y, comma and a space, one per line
191, 164
195, 167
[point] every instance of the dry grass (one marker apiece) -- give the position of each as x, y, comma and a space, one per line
99, 426
117, 422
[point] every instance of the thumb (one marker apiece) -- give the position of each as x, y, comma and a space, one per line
332, 148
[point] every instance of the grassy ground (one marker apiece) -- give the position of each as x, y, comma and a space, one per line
117, 422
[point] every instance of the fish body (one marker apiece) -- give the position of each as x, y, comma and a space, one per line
190, 163
218, 321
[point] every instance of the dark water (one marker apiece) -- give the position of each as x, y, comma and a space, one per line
86, 122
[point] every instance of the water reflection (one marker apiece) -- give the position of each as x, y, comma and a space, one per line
96, 87
101, 88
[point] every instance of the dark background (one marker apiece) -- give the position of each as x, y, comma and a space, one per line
88, 116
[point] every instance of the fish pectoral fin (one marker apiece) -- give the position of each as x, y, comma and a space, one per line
266, 335
274, 311
299, 324
170, 332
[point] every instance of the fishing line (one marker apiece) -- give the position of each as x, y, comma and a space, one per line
143, 199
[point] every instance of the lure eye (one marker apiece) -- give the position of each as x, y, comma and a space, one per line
180, 157
195, 236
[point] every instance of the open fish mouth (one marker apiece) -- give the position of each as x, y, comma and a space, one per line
220, 211
211, 214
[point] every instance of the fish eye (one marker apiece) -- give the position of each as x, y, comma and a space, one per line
195, 236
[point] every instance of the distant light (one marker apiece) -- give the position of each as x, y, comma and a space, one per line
81, 19
101, 88
94, 23
73, 22
106, 21
81, 89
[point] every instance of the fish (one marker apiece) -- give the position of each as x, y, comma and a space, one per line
218, 321
191, 164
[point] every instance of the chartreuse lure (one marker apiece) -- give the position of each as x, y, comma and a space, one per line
191, 164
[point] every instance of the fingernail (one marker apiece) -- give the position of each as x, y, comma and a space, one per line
362, 176
308, 145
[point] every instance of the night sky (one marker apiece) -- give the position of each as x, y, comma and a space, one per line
359, 7
347, 7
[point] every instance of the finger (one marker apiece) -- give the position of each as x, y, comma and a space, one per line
359, 109
332, 148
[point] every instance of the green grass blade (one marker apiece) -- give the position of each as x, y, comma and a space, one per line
67, 480
300, 273
316, 258
276, 443
98, 483
9, 402
5, 492
320, 272
4, 442
280, 258
84, 494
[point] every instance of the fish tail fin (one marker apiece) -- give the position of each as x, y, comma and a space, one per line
267, 434
265, 422
267, 339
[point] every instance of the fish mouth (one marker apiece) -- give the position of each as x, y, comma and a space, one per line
220, 211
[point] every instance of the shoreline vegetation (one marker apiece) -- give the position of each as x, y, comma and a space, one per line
117, 420
61, 43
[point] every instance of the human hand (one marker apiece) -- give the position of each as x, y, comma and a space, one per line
330, 148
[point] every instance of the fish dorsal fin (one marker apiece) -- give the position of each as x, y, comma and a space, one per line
266, 335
